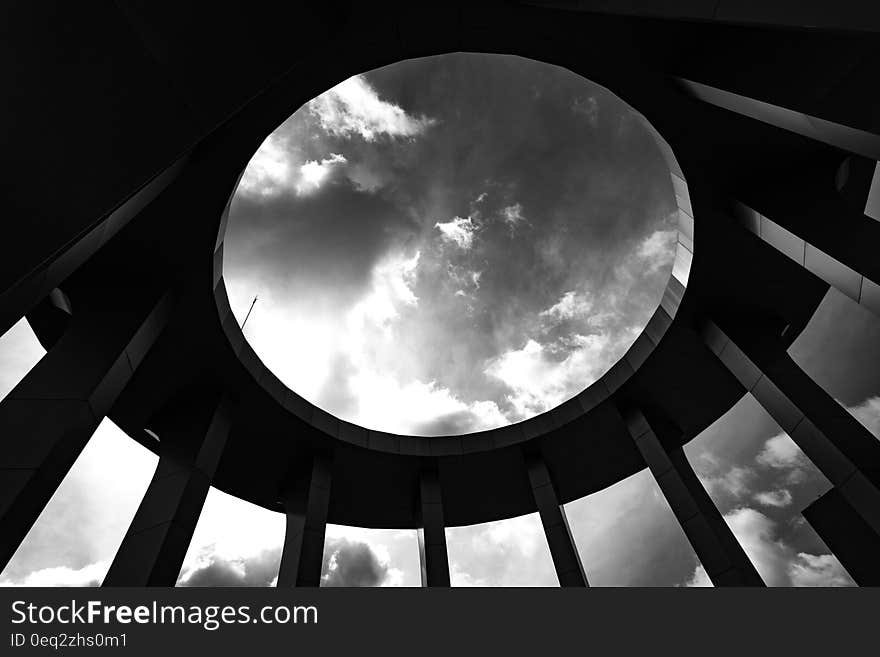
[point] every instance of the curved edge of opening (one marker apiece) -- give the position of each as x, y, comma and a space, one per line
490, 439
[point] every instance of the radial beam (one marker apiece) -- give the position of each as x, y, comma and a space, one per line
853, 276
843, 450
48, 418
566, 560
32, 286
719, 552
306, 503
834, 134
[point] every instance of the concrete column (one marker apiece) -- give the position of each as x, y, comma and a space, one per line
433, 558
844, 450
48, 418
156, 542
716, 547
306, 502
853, 542
567, 561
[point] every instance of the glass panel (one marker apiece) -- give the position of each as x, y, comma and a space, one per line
73, 541
357, 556
760, 481
512, 552
236, 543
627, 535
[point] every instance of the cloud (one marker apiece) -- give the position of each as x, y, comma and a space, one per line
538, 382
733, 482
458, 230
354, 108
781, 452
350, 563
213, 569
90, 575
313, 173
818, 570
416, 406
700, 578
510, 552
512, 215
777, 498
868, 413
776, 561
269, 170
658, 249
570, 305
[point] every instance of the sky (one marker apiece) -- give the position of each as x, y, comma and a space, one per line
626, 534
451, 244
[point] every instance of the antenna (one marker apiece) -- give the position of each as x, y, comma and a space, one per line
253, 303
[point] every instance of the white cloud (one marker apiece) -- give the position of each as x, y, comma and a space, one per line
818, 570
868, 413
755, 533
513, 215
776, 498
391, 289
269, 170
658, 249
90, 575
781, 452
511, 552
539, 382
700, 578
314, 173
458, 230
354, 107
384, 401
274, 169
776, 561
570, 305
734, 482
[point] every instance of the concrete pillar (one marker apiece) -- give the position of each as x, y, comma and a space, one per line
156, 542
843, 450
433, 558
716, 547
48, 418
306, 503
566, 560
853, 542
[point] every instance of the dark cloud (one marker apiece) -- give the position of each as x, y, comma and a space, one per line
351, 563
258, 570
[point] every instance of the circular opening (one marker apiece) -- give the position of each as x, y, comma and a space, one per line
452, 244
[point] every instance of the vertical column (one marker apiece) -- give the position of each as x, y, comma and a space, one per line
306, 503
48, 418
566, 559
722, 556
845, 451
433, 558
156, 542
853, 542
